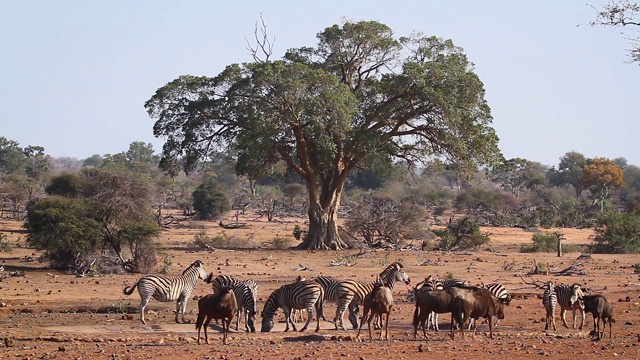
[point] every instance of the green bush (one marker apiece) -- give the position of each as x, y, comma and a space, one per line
617, 233
462, 234
221, 241
210, 201
548, 242
63, 228
280, 242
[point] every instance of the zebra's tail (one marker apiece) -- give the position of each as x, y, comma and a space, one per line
129, 290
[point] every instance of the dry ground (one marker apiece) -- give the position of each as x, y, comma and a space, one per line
49, 314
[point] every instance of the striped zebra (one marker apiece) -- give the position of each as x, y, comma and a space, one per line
428, 284
499, 292
165, 289
328, 284
298, 295
550, 301
568, 299
244, 300
350, 293
297, 313
221, 281
246, 293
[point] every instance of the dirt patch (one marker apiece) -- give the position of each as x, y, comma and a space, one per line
49, 314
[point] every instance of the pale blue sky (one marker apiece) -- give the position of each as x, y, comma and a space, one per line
75, 74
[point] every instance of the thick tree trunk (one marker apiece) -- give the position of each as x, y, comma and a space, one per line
323, 229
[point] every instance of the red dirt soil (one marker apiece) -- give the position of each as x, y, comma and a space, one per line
49, 314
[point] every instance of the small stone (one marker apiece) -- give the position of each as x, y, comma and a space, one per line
62, 348
9, 342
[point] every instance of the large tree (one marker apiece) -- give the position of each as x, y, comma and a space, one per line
624, 14
600, 176
329, 109
569, 172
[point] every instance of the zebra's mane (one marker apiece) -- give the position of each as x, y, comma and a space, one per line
195, 264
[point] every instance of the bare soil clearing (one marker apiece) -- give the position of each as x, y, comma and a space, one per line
50, 314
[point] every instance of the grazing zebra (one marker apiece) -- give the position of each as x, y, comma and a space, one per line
499, 292
246, 298
297, 313
550, 301
298, 295
328, 284
350, 293
568, 299
165, 289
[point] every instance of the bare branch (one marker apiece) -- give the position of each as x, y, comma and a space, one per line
263, 44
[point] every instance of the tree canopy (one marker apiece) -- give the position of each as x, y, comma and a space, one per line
329, 109
624, 14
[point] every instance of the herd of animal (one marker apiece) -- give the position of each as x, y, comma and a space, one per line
235, 298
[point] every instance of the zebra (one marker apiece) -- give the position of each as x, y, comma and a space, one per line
221, 281
165, 289
297, 313
350, 293
428, 284
328, 284
298, 295
499, 292
246, 298
550, 301
569, 299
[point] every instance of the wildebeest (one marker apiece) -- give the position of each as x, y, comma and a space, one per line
379, 302
600, 308
221, 306
474, 304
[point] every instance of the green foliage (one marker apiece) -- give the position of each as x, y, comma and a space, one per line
617, 233
279, 242
4, 244
210, 200
462, 234
449, 276
299, 233
476, 199
548, 242
328, 110
66, 185
63, 228
221, 241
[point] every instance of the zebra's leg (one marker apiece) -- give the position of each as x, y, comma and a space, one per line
386, 325
583, 318
573, 312
179, 309
238, 313
342, 307
319, 314
563, 314
553, 318
436, 327
143, 305
309, 317
287, 317
472, 323
353, 314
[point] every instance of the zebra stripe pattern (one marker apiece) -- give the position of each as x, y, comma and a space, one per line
499, 292
166, 289
568, 299
221, 281
350, 293
328, 284
298, 295
428, 284
550, 301
246, 293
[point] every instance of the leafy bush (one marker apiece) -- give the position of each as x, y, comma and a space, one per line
4, 244
617, 233
66, 185
63, 228
221, 241
548, 242
210, 200
299, 233
280, 242
462, 234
